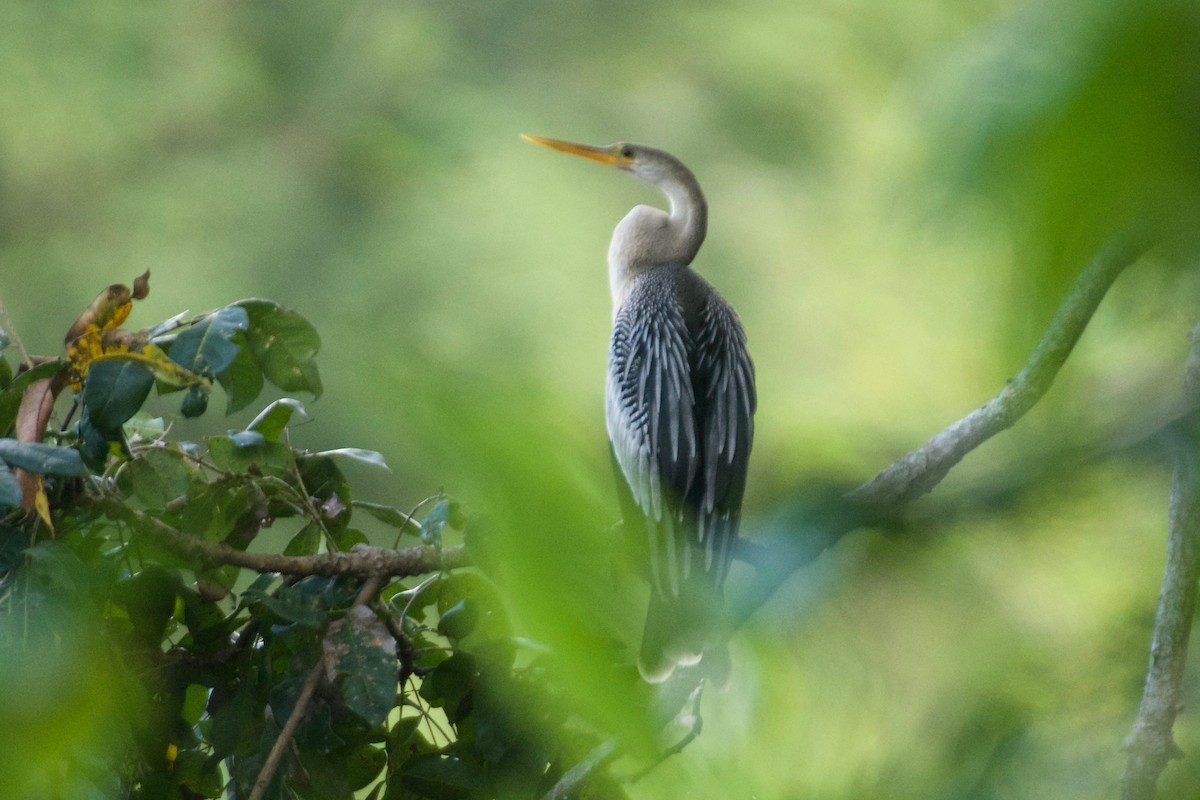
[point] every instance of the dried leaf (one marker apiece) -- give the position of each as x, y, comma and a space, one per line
141, 286
97, 333
37, 402
110, 308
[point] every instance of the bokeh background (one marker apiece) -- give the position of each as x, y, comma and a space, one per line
900, 195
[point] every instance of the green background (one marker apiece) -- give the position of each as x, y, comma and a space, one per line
900, 194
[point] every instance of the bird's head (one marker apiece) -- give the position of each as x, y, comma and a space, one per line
647, 163
647, 235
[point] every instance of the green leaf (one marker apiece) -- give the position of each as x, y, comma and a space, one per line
346, 539
207, 348
46, 370
149, 599
244, 439
243, 378
155, 478
47, 459
242, 451
368, 457
450, 683
217, 580
273, 419
113, 392
458, 621
236, 722
170, 324
443, 777
200, 773
13, 542
324, 776
146, 427
324, 481
195, 697
93, 444
365, 664
10, 404
212, 509
445, 512
388, 515
297, 604
361, 764
306, 542
195, 402
285, 344
10, 489
406, 730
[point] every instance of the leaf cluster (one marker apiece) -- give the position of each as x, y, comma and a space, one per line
245, 682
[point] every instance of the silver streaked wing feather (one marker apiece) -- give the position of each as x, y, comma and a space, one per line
650, 411
726, 400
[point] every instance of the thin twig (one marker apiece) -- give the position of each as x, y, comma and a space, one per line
1150, 744
11, 330
570, 782
694, 731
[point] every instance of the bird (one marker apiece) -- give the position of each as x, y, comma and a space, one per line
680, 400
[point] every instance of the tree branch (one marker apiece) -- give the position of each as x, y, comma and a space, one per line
359, 560
271, 764
919, 471
1150, 744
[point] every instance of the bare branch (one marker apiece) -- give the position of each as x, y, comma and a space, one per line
359, 560
1150, 744
918, 472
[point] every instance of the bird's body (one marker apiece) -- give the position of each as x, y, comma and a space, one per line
679, 405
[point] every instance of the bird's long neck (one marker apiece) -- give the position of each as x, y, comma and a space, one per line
648, 237
689, 212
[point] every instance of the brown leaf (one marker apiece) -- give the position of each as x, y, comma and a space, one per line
37, 403
108, 310
141, 286
34, 412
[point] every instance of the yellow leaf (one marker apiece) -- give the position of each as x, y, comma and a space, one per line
42, 504
96, 332
159, 364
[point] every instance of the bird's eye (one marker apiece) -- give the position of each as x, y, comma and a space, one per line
626, 151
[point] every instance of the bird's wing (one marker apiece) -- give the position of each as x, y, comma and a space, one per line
650, 410
726, 399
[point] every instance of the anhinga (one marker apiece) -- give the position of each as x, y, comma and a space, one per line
679, 404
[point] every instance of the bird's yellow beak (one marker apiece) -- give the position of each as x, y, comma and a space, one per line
611, 155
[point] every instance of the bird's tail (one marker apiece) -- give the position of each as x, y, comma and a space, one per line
679, 630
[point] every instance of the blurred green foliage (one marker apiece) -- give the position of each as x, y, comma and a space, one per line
900, 194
